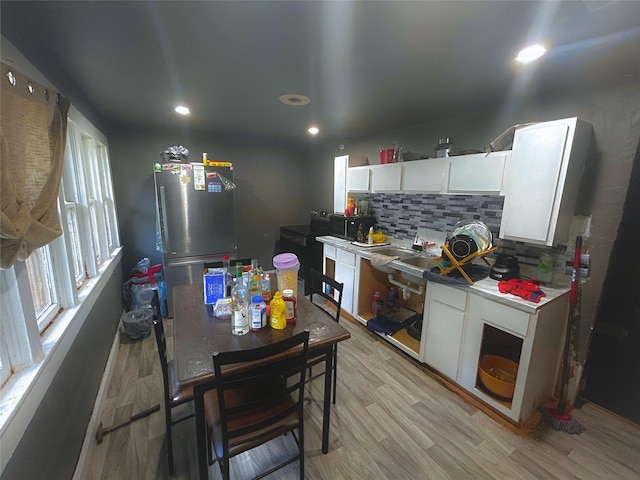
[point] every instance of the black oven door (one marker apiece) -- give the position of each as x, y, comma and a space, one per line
303, 244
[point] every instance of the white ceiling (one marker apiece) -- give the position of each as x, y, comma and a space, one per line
367, 66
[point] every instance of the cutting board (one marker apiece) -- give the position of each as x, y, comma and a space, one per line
361, 244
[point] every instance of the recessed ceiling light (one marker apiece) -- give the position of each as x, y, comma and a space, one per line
182, 110
313, 130
531, 53
294, 99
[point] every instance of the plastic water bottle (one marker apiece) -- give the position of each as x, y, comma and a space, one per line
258, 313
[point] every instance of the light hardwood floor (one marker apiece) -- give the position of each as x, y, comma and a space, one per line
393, 420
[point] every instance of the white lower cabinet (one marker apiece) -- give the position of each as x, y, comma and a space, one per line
534, 340
460, 324
443, 324
344, 269
341, 265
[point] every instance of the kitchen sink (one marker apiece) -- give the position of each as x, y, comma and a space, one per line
421, 264
401, 253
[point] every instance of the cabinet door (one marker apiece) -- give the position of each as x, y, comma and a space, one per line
358, 179
444, 332
423, 176
444, 323
340, 183
345, 273
533, 183
386, 178
476, 174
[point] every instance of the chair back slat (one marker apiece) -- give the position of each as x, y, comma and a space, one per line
318, 282
276, 365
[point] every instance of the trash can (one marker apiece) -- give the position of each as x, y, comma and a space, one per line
137, 323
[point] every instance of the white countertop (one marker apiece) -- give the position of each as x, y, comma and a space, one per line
486, 287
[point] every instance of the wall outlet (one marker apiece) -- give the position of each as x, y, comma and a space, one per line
585, 264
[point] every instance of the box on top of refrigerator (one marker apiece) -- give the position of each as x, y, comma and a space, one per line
214, 285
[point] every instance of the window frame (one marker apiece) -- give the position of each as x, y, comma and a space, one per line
32, 351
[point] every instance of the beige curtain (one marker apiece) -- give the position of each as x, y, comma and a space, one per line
33, 131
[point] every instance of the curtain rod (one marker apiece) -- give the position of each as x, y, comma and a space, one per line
27, 87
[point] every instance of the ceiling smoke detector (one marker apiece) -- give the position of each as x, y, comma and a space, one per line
294, 99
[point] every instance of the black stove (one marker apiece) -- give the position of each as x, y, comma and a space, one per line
301, 240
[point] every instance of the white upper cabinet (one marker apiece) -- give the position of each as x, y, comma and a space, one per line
480, 173
386, 178
542, 181
340, 178
358, 179
423, 176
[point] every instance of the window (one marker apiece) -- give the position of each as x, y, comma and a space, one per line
73, 199
37, 291
41, 282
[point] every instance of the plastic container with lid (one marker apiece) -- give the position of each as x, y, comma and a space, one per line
287, 266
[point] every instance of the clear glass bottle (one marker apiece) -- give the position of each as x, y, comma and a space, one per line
255, 286
265, 279
228, 276
239, 305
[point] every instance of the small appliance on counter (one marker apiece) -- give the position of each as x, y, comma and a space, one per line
505, 268
347, 227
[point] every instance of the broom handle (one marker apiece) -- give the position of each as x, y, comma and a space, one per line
573, 294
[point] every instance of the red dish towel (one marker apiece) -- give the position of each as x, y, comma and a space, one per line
527, 289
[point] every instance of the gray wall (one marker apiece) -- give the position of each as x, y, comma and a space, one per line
51, 445
278, 184
614, 112
271, 180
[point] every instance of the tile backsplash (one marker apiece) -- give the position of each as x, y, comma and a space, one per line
400, 215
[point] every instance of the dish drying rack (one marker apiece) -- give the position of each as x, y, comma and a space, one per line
449, 264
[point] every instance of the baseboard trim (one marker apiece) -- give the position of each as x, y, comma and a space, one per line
89, 441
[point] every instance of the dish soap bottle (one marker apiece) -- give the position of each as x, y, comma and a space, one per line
370, 236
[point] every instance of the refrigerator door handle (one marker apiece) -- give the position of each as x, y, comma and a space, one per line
163, 224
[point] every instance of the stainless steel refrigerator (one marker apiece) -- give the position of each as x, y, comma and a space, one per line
195, 220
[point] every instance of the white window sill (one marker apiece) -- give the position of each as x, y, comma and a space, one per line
24, 390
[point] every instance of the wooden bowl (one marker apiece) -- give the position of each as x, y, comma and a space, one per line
498, 375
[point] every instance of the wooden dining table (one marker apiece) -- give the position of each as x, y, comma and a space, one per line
197, 334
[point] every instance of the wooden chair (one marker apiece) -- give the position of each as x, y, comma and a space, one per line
173, 396
247, 408
319, 282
